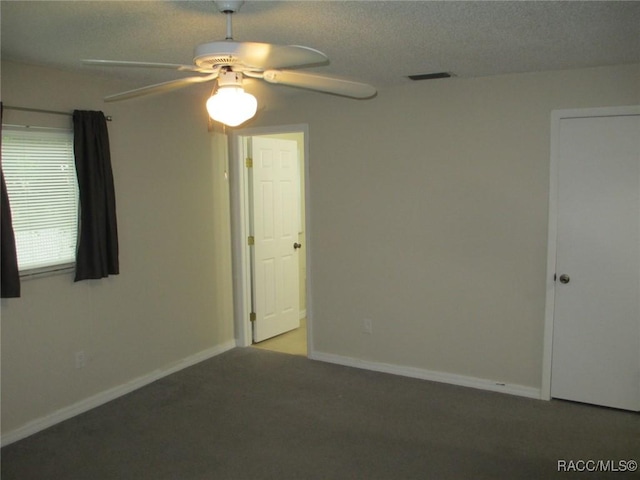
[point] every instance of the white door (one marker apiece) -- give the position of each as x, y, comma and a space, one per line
275, 178
596, 322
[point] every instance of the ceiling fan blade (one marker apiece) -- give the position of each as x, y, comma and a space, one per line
322, 83
160, 87
124, 63
265, 55
256, 55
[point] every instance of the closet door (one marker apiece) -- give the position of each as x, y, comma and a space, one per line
596, 321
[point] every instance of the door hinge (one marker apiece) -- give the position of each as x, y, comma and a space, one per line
252, 317
249, 162
251, 240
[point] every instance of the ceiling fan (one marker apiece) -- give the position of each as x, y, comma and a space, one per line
227, 62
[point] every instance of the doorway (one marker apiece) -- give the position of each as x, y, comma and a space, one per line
259, 275
592, 326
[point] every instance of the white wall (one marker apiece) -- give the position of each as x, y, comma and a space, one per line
429, 216
172, 299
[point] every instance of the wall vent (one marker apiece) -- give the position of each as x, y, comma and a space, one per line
431, 76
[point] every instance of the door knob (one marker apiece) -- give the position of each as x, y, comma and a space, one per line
297, 245
564, 278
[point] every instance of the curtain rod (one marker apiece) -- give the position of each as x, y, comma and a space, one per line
52, 112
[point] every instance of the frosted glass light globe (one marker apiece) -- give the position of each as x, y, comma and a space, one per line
232, 106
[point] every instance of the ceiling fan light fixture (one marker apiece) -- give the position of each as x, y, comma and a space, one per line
231, 105
261, 61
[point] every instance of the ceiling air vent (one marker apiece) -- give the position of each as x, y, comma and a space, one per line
431, 76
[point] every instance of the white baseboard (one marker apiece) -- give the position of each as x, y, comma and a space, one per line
431, 375
111, 394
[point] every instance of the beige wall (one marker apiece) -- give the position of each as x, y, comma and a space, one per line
172, 299
429, 216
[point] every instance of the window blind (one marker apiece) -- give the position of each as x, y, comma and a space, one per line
39, 170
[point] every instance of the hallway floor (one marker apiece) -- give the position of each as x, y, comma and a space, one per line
293, 342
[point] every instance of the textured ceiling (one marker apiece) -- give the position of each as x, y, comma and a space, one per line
378, 42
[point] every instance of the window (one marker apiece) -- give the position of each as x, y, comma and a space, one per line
39, 171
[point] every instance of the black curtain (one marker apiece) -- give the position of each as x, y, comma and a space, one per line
10, 281
97, 255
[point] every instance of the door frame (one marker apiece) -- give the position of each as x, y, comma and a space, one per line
241, 264
556, 117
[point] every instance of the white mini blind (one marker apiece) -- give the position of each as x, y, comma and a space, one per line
39, 170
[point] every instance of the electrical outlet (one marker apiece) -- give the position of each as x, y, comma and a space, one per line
81, 359
367, 326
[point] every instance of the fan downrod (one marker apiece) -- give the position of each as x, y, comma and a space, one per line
229, 7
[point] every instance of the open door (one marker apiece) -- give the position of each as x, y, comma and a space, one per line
275, 256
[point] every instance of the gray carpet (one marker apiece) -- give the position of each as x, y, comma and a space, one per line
252, 414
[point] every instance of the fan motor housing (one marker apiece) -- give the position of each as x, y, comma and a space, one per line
209, 55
